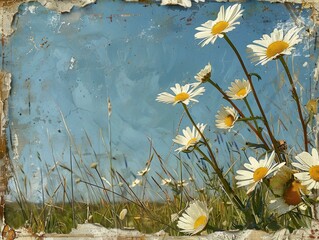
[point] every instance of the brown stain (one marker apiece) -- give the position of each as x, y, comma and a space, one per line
9, 3
4, 156
3, 146
2, 204
2, 42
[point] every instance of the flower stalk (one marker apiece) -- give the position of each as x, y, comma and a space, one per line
296, 98
272, 138
213, 163
256, 131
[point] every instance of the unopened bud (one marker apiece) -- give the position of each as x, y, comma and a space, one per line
312, 106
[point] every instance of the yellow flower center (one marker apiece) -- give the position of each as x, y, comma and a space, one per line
276, 48
242, 92
201, 221
229, 120
219, 27
314, 172
260, 173
192, 141
181, 97
292, 194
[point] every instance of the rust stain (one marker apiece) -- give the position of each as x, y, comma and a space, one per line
10, 3
5, 81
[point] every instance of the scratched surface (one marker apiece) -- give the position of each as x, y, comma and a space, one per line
65, 66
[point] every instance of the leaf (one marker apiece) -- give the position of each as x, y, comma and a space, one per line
255, 145
256, 75
249, 119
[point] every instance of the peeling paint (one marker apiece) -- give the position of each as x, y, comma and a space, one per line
8, 8
5, 86
312, 4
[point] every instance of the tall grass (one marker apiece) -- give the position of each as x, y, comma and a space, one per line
159, 194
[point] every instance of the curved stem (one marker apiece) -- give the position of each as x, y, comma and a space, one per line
212, 161
296, 98
233, 197
251, 113
256, 131
273, 140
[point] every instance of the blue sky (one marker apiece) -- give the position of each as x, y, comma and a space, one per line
65, 66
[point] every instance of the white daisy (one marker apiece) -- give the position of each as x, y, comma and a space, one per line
183, 3
225, 22
204, 74
166, 181
183, 94
310, 165
144, 171
226, 118
239, 89
136, 182
174, 217
272, 46
288, 191
189, 138
257, 171
181, 183
195, 218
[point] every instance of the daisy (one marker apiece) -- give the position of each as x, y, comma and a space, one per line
183, 94
204, 74
183, 3
174, 217
288, 191
310, 165
272, 46
181, 183
225, 22
239, 89
190, 137
257, 171
195, 218
226, 118
166, 181
144, 171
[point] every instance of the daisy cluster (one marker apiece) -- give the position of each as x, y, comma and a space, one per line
183, 3
290, 184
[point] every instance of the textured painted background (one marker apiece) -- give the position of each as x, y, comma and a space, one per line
67, 65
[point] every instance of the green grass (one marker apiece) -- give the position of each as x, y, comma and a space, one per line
58, 218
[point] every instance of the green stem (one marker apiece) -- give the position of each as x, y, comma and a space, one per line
212, 161
273, 140
233, 197
296, 98
251, 113
256, 131
111, 158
